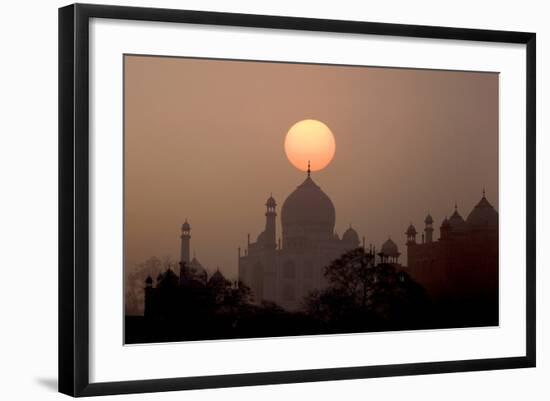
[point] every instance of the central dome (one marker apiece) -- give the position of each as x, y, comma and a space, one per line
308, 207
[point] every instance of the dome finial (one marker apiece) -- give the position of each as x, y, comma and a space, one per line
308, 168
484, 191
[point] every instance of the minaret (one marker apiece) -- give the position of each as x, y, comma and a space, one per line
411, 235
429, 229
270, 215
185, 242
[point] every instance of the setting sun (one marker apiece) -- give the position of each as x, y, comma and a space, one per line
310, 140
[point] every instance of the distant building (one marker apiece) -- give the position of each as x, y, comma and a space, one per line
170, 294
464, 262
285, 273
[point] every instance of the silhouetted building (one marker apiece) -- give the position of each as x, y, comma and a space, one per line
170, 295
285, 273
463, 263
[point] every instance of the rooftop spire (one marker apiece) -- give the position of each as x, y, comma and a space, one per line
308, 168
484, 191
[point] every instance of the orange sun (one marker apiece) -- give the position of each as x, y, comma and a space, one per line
310, 140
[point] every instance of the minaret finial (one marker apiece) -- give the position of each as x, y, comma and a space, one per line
309, 168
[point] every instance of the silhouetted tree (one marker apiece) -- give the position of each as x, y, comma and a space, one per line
352, 274
240, 295
363, 295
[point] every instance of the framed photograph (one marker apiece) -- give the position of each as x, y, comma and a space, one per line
250, 199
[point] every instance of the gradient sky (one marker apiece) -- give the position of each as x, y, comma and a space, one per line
204, 141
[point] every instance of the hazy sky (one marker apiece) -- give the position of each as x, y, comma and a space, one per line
204, 141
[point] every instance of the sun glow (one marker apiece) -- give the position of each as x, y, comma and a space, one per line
310, 141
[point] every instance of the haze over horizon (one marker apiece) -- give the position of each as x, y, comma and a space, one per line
204, 141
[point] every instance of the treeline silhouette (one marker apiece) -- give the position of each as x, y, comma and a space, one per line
362, 295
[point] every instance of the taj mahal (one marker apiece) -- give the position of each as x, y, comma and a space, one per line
285, 273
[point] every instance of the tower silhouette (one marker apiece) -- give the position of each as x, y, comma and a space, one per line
270, 216
185, 242
429, 229
411, 234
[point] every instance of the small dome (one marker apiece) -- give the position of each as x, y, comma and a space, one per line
185, 226
411, 230
483, 216
456, 222
351, 237
445, 223
389, 248
308, 206
218, 279
169, 279
196, 267
429, 219
149, 280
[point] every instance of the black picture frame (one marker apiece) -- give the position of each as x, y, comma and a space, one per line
74, 191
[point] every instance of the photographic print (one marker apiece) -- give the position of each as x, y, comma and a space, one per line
268, 199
